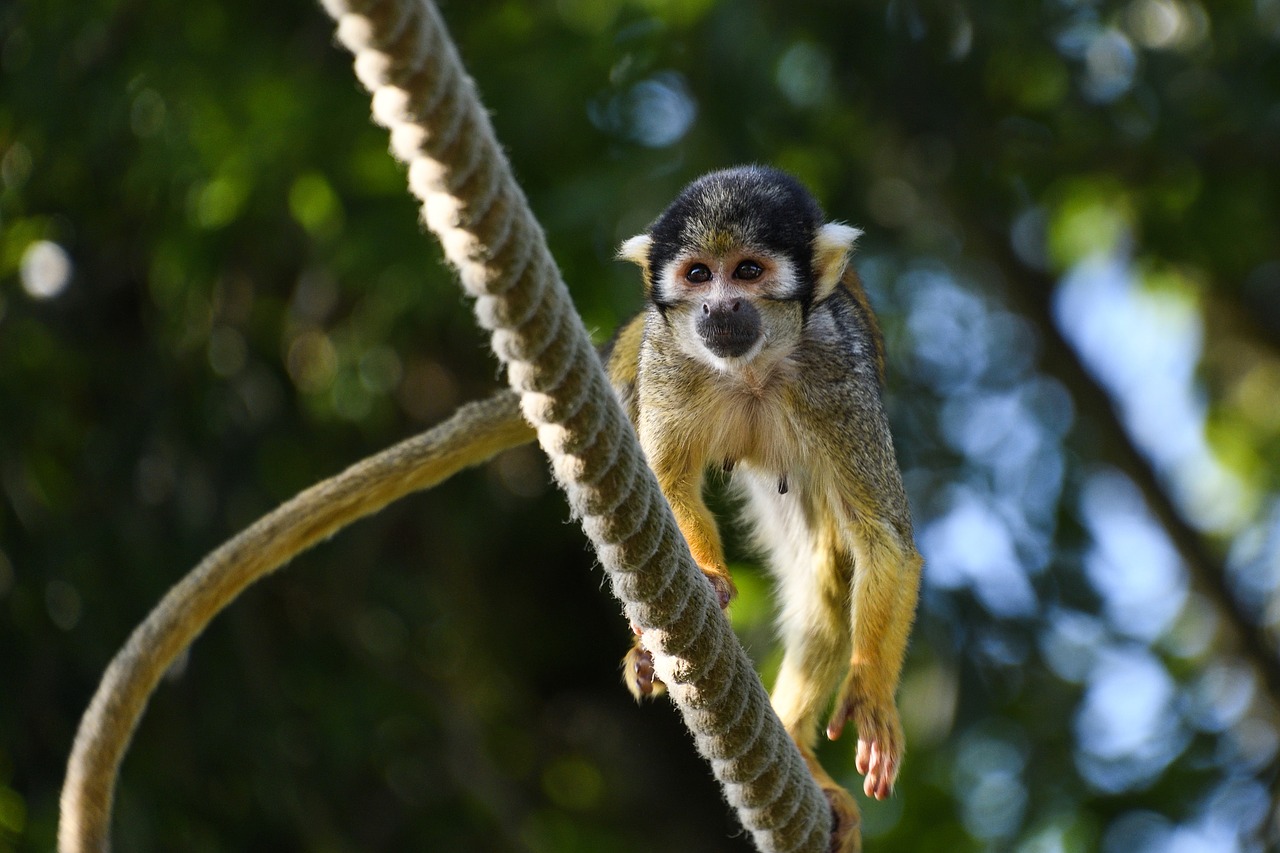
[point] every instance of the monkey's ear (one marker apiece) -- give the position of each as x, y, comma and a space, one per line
636, 250
832, 246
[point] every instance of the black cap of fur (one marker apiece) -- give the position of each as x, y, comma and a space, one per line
756, 206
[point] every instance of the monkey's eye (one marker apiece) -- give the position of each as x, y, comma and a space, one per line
698, 274
748, 271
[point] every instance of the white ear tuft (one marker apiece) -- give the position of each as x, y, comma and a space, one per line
832, 246
636, 250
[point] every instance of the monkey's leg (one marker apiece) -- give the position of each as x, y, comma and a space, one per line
886, 583
699, 528
814, 594
678, 456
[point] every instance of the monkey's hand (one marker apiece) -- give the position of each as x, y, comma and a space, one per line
637, 664
879, 733
721, 583
637, 672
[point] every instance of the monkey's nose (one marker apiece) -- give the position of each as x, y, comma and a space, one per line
733, 307
729, 328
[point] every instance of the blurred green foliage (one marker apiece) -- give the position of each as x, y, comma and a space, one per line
214, 291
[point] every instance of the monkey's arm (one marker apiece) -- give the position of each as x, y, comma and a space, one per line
677, 458
621, 356
886, 580
679, 461
683, 489
876, 530
476, 432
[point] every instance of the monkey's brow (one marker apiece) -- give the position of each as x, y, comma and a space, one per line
719, 241
727, 246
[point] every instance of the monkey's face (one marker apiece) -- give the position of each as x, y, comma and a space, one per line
734, 265
731, 308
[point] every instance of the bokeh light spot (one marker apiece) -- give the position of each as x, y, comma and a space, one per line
45, 270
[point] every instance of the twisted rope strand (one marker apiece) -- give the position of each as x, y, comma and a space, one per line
421, 93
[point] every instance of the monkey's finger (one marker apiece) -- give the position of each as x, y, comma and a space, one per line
888, 778
724, 589
863, 760
835, 727
877, 788
638, 673
871, 786
874, 781
881, 770
644, 670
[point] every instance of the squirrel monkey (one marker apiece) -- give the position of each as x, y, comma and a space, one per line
758, 354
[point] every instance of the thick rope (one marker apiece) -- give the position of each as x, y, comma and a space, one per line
475, 433
421, 93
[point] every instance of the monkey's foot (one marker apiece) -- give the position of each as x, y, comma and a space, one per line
846, 836
846, 824
637, 672
879, 735
637, 664
722, 583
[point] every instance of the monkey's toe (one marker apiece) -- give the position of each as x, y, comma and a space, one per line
637, 672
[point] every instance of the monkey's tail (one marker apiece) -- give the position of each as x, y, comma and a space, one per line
475, 433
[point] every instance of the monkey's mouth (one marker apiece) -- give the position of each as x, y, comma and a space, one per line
729, 330
728, 343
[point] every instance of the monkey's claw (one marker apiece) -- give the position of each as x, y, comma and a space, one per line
637, 672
